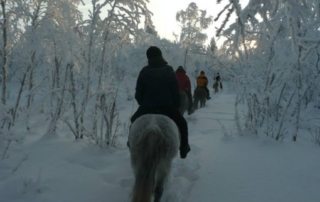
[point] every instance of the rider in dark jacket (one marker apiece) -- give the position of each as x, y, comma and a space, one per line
157, 93
218, 80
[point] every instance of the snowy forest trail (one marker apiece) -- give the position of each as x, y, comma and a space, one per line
224, 167
209, 128
221, 167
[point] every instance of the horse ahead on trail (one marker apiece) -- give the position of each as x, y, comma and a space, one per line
217, 84
153, 142
200, 95
184, 102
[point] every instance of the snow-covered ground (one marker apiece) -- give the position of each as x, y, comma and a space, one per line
222, 167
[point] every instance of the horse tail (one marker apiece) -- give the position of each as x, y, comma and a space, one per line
150, 153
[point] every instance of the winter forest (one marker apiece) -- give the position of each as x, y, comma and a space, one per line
67, 83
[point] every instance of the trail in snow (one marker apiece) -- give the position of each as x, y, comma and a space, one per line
222, 167
206, 126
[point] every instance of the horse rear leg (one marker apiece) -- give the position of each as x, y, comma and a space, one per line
161, 177
144, 172
196, 100
158, 193
202, 102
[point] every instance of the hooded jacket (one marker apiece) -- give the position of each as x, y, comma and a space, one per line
202, 80
183, 80
157, 85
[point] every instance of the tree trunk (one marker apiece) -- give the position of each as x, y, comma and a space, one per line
74, 103
185, 58
5, 53
14, 113
30, 86
299, 88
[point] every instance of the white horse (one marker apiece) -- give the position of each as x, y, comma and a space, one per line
153, 142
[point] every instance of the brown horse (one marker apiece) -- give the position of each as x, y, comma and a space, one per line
184, 102
153, 142
200, 95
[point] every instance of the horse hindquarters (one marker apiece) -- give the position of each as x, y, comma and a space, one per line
184, 102
161, 176
152, 150
144, 159
202, 102
196, 96
216, 87
200, 95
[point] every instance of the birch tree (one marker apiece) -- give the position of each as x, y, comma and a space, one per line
4, 50
110, 24
193, 22
8, 24
63, 53
279, 69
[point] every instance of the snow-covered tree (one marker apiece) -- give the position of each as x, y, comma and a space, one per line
111, 24
276, 45
149, 27
193, 22
9, 33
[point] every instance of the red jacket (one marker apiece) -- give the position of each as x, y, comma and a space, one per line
183, 80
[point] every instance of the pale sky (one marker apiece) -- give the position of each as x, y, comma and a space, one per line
165, 11
164, 14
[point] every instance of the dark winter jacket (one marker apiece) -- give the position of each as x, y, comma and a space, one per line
218, 78
157, 85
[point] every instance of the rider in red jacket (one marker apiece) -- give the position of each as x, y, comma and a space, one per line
184, 85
